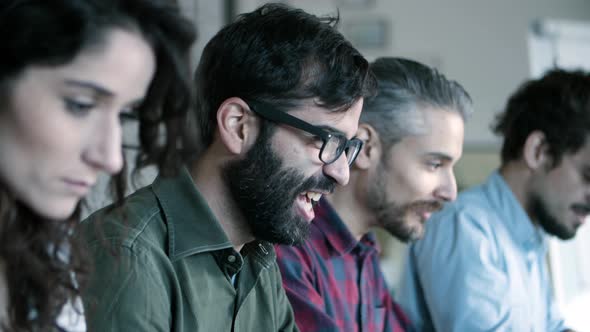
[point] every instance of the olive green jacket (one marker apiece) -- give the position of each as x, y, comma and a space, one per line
174, 266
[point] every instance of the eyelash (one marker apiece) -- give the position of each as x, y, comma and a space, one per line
76, 107
316, 141
434, 165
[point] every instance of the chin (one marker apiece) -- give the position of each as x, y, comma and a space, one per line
416, 229
416, 234
56, 210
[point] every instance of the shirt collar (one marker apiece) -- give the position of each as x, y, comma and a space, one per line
336, 232
192, 227
513, 215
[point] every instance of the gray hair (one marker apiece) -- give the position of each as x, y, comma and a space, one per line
405, 87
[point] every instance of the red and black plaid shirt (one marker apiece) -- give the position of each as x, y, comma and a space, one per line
334, 282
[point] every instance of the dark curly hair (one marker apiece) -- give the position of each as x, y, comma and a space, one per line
558, 105
279, 56
41, 257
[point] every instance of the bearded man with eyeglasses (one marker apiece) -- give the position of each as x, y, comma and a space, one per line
279, 95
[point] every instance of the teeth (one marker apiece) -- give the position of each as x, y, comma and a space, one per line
314, 196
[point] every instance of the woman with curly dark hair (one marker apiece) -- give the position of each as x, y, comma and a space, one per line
69, 70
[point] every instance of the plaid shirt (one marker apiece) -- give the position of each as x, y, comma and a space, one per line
334, 282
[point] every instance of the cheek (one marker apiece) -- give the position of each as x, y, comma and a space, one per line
565, 188
295, 154
52, 137
409, 184
554, 195
43, 138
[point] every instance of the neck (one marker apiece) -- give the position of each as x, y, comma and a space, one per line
517, 176
206, 174
355, 215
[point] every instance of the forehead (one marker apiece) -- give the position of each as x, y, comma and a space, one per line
441, 132
345, 122
121, 63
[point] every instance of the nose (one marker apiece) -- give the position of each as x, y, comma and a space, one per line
447, 190
104, 151
338, 170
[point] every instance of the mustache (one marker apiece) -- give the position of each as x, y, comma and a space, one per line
427, 206
318, 183
581, 208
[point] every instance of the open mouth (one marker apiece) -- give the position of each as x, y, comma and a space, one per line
425, 215
582, 213
305, 203
425, 209
582, 218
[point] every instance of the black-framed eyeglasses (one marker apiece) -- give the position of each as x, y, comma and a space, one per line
334, 144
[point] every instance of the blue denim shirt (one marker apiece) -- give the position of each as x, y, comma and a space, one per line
481, 266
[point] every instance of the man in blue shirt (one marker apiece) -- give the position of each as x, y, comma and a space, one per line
481, 265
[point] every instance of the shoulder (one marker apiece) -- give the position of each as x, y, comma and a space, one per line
137, 224
471, 210
469, 224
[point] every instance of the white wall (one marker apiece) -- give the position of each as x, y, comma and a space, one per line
481, 44
208, 16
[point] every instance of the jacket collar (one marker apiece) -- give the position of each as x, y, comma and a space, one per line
192, 227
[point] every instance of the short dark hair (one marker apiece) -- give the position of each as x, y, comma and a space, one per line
52, 33
279, 56
404, 86
557, 104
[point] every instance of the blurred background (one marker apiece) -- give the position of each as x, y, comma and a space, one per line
490, 47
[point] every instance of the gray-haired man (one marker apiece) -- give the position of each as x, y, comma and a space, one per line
413, 135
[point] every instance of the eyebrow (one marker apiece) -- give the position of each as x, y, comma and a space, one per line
331, 130
102, 91
439, 155
91, 86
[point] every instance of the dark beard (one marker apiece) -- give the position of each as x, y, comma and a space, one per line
265, 192
394, 218
548, 222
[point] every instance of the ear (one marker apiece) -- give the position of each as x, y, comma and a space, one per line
371, 150
237, 125
535, 151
